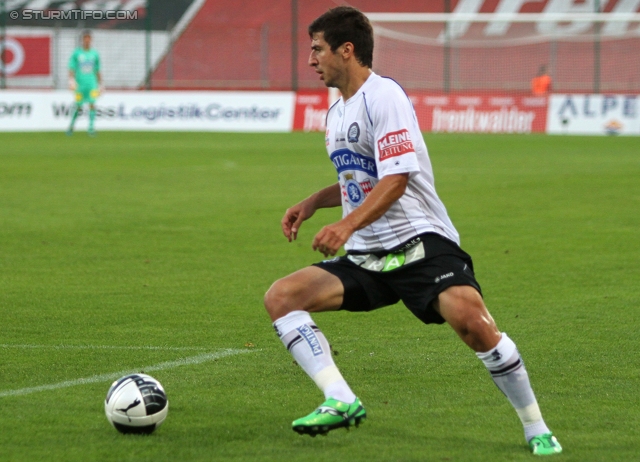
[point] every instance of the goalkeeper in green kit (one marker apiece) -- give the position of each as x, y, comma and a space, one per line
85, 80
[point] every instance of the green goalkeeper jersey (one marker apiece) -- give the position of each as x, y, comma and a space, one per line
86, 65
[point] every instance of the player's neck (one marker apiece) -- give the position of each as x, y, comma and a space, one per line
354, 80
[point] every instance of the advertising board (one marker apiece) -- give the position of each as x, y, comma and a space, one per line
154, 110
473, 113
594, 115
27, 56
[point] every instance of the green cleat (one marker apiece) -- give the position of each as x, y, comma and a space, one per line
330, 415
545, 445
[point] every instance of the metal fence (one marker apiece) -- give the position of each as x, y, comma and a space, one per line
263, 45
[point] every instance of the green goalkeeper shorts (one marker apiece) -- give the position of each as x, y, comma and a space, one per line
86, 94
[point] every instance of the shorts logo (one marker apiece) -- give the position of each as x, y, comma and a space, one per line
307, 333
395, 144
390, 261
393, 261
331, 260
354, 133
444, 276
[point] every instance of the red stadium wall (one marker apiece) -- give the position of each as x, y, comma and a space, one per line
242, 44
222, 45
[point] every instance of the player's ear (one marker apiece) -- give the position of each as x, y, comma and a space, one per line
347, 49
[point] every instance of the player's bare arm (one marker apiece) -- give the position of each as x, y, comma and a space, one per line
390, 188
294, 216
72, 80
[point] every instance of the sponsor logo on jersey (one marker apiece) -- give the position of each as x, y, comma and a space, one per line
345, 160
395, 144
354, 133
307, 333
366, 187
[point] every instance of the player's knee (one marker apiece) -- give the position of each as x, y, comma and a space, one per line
467, 314
476, 326
279, 299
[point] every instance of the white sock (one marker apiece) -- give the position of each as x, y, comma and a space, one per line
509, 374
311, 351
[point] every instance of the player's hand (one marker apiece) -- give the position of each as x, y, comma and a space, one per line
72, 84
330, 238
294, 217
101, 89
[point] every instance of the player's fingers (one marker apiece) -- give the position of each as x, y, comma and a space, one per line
315, 245
285, 230
285, 223
296, 226
321, 244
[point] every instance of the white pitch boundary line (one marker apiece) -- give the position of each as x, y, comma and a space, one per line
115, 375
101, 347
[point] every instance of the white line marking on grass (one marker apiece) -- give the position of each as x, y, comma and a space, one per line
100, 347
203, 358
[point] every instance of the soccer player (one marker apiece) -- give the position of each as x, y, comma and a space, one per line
85, 80
400, 243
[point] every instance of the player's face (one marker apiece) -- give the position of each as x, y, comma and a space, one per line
325, 62
86, 42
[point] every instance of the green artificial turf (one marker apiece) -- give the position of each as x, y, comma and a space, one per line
136, 251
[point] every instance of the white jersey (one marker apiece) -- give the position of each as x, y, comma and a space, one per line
374, 134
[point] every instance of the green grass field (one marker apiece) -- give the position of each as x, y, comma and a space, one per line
152, 252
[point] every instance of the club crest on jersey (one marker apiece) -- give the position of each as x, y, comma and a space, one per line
353, 192
395, 144
354, 133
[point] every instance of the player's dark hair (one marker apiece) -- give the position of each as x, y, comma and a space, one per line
86, 32
346, 24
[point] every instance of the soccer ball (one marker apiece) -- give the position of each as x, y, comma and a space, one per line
136, 403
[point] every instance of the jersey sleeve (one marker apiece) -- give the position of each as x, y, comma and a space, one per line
97, 68
393, 121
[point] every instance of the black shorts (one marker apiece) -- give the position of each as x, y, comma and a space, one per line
409, 273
